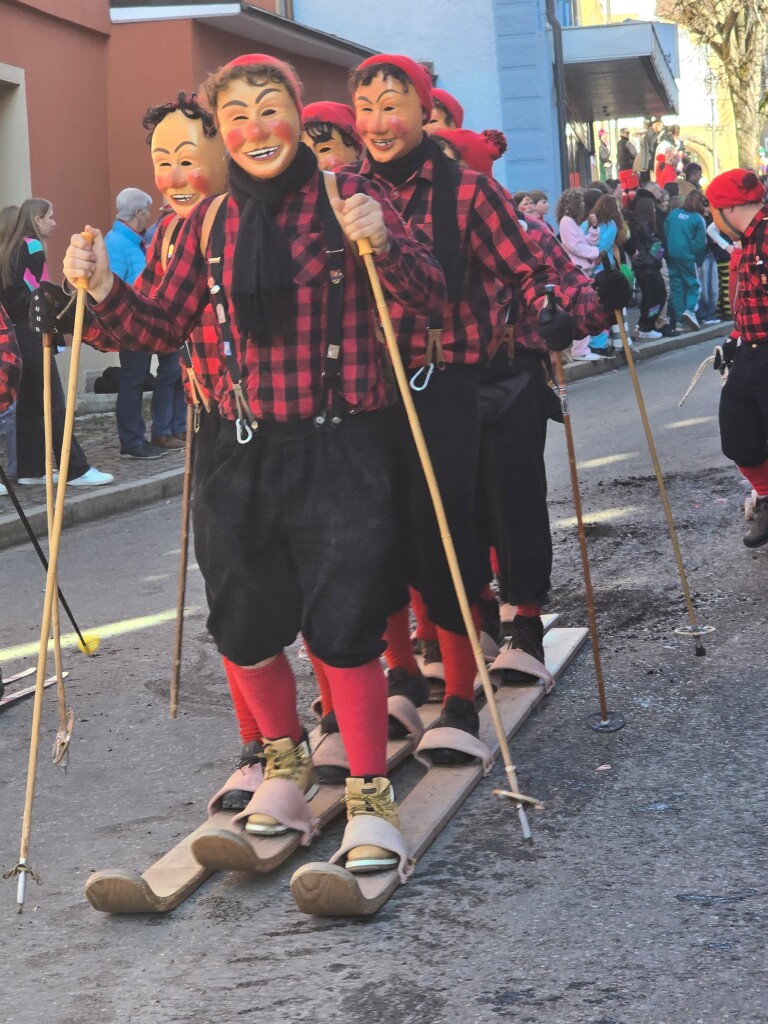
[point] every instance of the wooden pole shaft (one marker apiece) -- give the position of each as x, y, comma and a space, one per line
445, 533
48, 426
50, 587
183, 560
658, 473
591, 614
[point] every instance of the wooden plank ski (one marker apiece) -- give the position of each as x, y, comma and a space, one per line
10, 699
328, 890
20, 675
215, 845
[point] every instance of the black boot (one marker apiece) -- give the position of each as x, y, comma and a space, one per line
461, 714
757, 535
401, 684
527, 634
238, 799
491, 621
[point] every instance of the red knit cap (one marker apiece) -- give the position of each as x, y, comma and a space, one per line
338, 114
735, 188
477, 151
451, 104
294, 86
415, 72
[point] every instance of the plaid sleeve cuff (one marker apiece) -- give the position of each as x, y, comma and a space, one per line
389, 259
114, 303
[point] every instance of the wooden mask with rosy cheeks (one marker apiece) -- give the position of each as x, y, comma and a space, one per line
260, 125
188, 164
389, 117
329, 145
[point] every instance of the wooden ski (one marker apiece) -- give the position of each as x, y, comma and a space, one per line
10, 699
328, 890
220, 846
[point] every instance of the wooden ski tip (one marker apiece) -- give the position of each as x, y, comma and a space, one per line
122, 892
520, 798
89, 644
327, 890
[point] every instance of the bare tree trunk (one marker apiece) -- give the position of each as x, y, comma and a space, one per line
745, 96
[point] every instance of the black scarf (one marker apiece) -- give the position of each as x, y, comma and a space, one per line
262, 276
445, 223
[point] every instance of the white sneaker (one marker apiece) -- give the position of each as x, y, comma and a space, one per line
36, 481
690, 319
3, 491
93, 478
588, 357
650, 335
711, 322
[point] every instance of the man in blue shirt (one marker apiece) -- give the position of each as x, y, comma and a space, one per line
127, 257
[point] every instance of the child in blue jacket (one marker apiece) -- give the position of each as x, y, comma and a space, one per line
686, 234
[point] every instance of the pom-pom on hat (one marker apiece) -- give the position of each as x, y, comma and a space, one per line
294, 86
735, 188
477, 151
340, 115
451, 104
422, 83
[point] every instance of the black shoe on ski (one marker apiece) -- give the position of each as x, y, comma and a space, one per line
461, 714
238, 799
757, 535
491, 620
526, 634
402, 684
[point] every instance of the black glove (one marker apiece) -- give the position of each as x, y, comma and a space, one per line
556, 328
613, 289
48, 302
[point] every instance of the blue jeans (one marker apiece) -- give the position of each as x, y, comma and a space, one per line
710, 288
8, 427
169, 415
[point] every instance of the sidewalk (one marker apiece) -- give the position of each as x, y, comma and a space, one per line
139, 483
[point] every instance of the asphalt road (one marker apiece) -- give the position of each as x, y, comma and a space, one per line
643, 899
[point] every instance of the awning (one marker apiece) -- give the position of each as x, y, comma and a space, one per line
249, 22
620, 70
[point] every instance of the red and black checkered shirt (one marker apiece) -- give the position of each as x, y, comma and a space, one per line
578, 296
282, 379
10, 363
207, 359
495, 251
751, 300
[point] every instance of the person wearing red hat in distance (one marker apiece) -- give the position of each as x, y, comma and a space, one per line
329, 129
446, 112
478, 241
516, 402
293, 518
736, 199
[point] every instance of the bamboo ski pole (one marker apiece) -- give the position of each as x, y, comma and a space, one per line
23, 868
694, 630
189, 457
86, 642
605, 720
66, 718
365, 250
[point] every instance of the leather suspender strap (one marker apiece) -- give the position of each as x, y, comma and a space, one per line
169, 240
331, 404
246, 422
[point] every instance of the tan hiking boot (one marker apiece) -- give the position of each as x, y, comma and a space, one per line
377, 799
284, 759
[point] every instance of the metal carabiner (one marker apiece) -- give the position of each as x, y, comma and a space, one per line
244, 432
422, 387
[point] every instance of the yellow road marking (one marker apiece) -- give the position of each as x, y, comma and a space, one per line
595, 517
106, 631
605, 460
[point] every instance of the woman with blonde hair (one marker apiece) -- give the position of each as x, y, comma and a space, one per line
22, 269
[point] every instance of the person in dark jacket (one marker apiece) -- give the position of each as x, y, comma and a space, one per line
646, 252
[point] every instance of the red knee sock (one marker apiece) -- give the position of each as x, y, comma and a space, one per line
246, 723
459, 662
326, 697
360, 703
530, 608
495, 568
399, 653
425, 629
270, 693
758, 477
